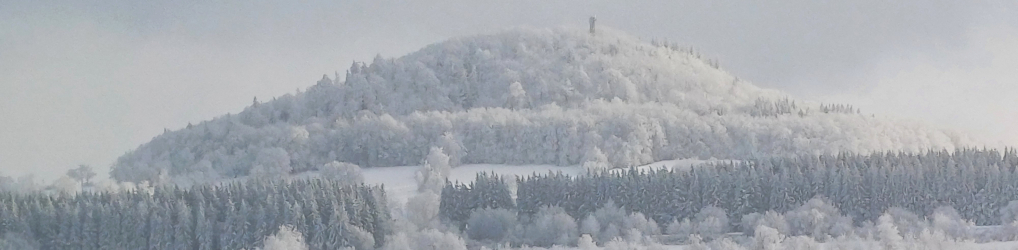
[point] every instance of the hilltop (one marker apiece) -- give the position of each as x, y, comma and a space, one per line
523, 96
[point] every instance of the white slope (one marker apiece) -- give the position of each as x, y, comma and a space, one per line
523, 97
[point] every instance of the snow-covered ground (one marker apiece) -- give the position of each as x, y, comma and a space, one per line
680, 164
400, 184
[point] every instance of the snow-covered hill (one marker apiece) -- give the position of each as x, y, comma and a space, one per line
526, 96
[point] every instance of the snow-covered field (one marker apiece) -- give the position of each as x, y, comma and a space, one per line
400, 184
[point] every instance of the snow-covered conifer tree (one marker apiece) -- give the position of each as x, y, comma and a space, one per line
285, 239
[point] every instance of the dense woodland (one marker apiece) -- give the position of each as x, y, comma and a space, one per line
977, 183
520, 97
230, 216
823, 197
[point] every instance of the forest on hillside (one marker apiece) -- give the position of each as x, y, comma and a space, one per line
328, 214
823, 197
520, 97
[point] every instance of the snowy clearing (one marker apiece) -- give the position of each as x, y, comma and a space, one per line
400, 184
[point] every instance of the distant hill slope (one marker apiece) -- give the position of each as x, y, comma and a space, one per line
546, 96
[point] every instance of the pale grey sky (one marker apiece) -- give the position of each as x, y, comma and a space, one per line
86, 81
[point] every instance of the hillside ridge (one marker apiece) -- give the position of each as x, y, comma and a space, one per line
523, 96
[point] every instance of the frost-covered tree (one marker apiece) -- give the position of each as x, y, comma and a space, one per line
516, 97
492, 225
858, 188
681, 228
327, 214
399, 241
433, 239
801, 242
343, 172
360, 238
524, 97
770, 219
819, 219
18, 241
83, 174
452, 145
422, 209
595, 160
610, 218
551, 226
642, 224
725, 244
909, 224
1009, 213
947, 220
711, 222
585, 242
7, 183
589, 226
285, 239
890, 238
766, 238
271, 163
66, 185
434, 172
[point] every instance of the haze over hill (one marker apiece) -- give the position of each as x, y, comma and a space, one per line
524, 96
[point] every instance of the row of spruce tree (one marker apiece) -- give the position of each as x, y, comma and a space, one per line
230, 216
330, 215
977, 182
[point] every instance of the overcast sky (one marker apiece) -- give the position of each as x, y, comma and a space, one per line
82, 82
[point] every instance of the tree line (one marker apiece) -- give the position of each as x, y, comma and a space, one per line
229, 216
976, 182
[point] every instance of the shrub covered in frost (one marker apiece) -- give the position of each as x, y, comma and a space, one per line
765, 238
645, 226
725, 244
800, 242
551, 226
890, 237
431, 239
422, 209
342, 172
1009, 213
681, 228
908, 223
286, 239
491, 224
608, 221
711, 222
770, 219
819, 219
